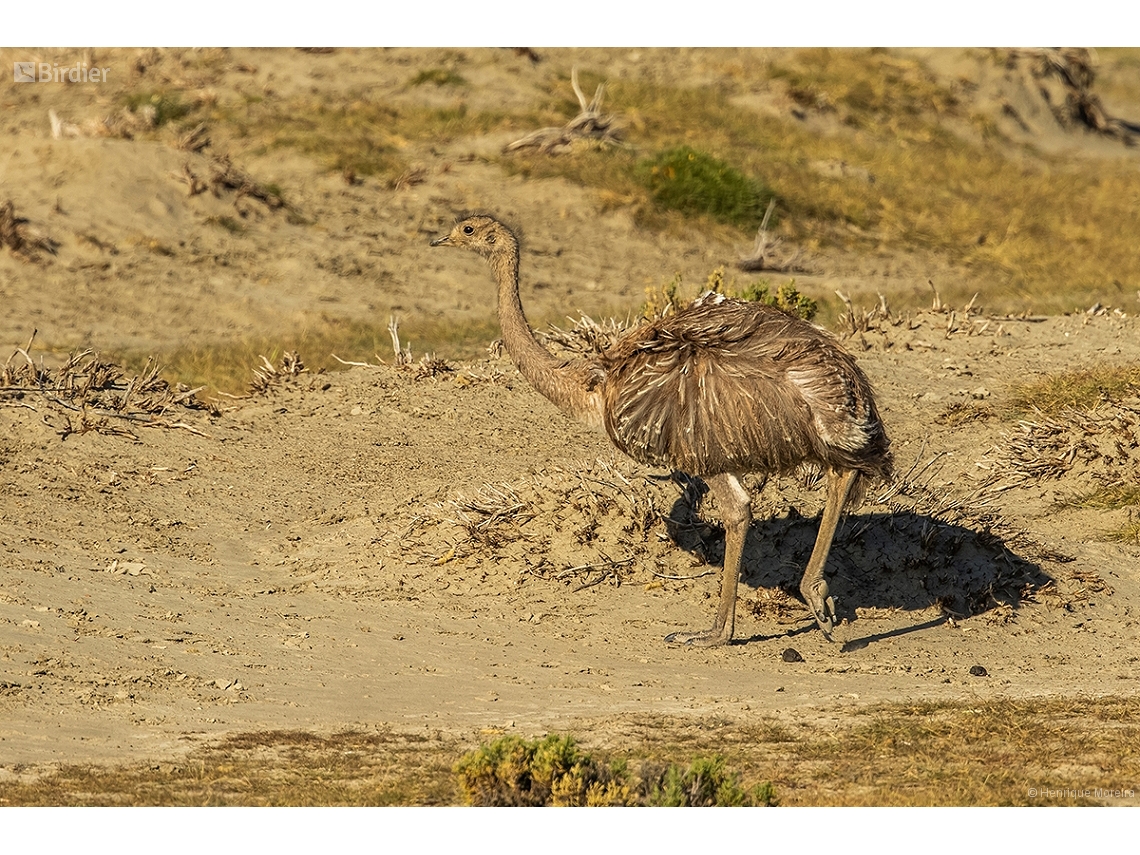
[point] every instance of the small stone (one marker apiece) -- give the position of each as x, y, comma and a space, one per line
791, 655
978, 671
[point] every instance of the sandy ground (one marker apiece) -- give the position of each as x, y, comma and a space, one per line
387, 546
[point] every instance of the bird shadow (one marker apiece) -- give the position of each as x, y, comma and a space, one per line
879, 560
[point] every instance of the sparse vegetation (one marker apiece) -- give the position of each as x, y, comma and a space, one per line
706, 782
1118, 497
227, 223
910, 184
864, 87
1111, 498
357, 133
786, 297
983, 752
511, 771
224, 366
1081, 389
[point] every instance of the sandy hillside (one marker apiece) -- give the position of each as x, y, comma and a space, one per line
435, 546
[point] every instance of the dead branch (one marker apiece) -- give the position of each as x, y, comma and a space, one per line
25, 242
194, 140
1076, 69
766, 253
590, 124
403, 355
225, 176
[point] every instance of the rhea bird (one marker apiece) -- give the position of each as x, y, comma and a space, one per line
717, 390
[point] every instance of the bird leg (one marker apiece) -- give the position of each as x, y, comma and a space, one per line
736, 507
813, 586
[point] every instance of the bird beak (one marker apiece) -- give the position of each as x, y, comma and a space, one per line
442, 241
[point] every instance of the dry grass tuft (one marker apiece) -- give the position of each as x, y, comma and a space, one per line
588, 510
493, 515
1077, 390
428, 366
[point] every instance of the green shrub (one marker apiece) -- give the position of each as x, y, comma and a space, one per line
439, 77
706, 783
514, 772
168, 107
787, 296
693, 182
665, 299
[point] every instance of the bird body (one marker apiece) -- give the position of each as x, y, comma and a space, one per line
733, 386
718, 389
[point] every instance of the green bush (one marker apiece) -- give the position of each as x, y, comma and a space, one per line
168, 107
438, 77
514, 772
787, 296
706, 783
693, 182
665, 299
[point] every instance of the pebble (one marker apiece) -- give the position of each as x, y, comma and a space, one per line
791, 655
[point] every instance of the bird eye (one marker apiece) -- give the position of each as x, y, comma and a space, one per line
468, 230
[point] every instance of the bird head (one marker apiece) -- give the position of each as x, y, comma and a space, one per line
479, 233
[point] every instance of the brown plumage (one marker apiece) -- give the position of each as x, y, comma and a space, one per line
718, 389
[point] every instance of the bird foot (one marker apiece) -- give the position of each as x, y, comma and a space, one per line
822, 606
708, 638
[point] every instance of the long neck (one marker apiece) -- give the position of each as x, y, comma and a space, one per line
565, 385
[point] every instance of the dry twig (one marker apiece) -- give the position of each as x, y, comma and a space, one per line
268, 376
85, 393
